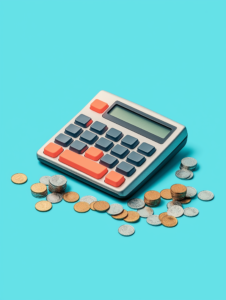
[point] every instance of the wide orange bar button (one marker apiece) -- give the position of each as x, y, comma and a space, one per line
115, 179
53, 150
83, 164
99, 106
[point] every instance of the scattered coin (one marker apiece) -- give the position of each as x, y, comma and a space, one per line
162, 215
145, 212
81, 207
45, 180
191, 211
121, 216
136, 203
92, 205
191, 176
126, 230
115, 209
54, 198
175, 211
189, 163
19, 178
43, 205
183, 174
88, 199
166, 194
205, 195
191, 192
169, 221
185, 200
171, 203
132, 217
153, 220
152, 198
71, 197
101, 206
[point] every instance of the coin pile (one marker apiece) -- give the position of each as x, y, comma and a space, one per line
152, 198
188, 164
178, 192
57, 184
39, 190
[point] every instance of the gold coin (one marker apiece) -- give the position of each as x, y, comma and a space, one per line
132, 217
38, 188
71, 197
169, 221
121, 216
166, 194
178, 189
43, 205
185, 201
152, 195
92, 205
81, 207
101, 206
162, 215
19, 178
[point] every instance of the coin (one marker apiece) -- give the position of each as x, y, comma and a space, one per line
19, 178
183, 174
45, 180
121, 216
162, 215
136, 203
71, 197
101, 206
92, 205
81, 207
166, 194
126, 230
191, 176
153, 220
43, 205
152, 198
115, 209
88, 199
171, 203
191, 192
185, 200
205, 195
191, 211
175, 211
145, 212
178, 188
132, 217
58, 180
169, 221
189, 163
54, 197
38, 188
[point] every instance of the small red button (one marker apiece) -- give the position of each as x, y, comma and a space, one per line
53, 150
99, 106
94, 153
115, 179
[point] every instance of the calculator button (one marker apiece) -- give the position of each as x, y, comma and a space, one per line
73, 130
109, 161
135, 159
94, 153
119, 151
115, 179
63, 140
88, 137
83, 121
125, 169
98, 127
104, 144
53, 150
83, 164
129, 141
78, 147
99, 106
114, 134
146, 149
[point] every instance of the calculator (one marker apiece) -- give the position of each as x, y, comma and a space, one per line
114, 145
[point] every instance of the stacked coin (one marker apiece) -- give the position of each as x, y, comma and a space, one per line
152, 198
188, 163
57, 184
178, 192
39, 190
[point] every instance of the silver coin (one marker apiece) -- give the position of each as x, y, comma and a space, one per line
183, 174
126, 230
58, 180
189, 162
191, 176
45, 180
191, 192
115, 209
175, 211
136, 203
54, 198
154, 220
206, 195
88, 199
172, 203
145, 212
191, 211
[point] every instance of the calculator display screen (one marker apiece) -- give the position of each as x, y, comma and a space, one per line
139, 121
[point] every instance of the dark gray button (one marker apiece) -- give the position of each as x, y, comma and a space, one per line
98, 127
104, 144
83, 121
119, 151
73, 130
63, 140
114, 134
88, 137
125, 169
78, 147
146, 149
109, 161
129, 141
135, 159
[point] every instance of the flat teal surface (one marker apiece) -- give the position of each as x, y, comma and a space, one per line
55, 56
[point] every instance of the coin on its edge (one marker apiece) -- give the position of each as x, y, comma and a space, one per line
71, 197
121, 216
19, 178
43, 205
169, 221
101, 206
81, 207
166, 194
132, 217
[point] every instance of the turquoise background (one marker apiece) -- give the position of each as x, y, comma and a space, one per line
55, 56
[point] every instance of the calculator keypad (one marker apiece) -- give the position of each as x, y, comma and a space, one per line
125, 169
78, 147
63, 140
114, 135
53, 150
94, 153
83, 121
73, 130
109, 161
115, 179
129, 141
146, 149
104, 144
119, 151
98, 127
88, 137
99, 106
135, 159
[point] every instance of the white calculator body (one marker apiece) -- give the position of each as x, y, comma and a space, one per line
114, 145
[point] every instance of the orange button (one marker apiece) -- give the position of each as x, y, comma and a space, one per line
99, 106
53, 150
94, 153
83, 164
114, 178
